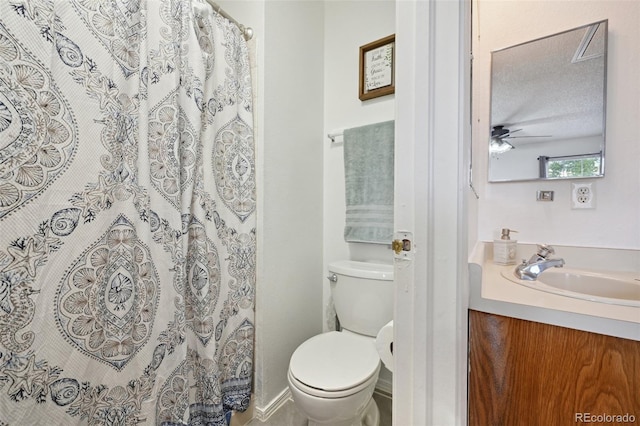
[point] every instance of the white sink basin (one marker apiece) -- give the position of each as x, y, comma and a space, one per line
618, 288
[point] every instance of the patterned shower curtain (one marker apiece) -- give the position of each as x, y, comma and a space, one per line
127, 213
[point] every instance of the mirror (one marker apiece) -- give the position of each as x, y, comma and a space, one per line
548, 107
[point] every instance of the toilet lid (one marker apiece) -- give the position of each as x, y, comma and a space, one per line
334, 361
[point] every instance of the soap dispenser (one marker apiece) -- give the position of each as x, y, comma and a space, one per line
504, 249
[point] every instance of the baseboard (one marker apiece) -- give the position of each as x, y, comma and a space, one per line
384, 386
263, 414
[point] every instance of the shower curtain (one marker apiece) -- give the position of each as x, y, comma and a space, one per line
127, 213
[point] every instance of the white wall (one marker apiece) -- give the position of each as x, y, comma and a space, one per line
289, 109
615, 222
349, 25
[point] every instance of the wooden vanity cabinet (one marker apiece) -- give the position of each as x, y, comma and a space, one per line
528, 373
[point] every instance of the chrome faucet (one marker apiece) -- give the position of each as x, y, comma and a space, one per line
539, 262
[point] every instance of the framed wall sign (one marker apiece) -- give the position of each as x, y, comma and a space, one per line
377, 74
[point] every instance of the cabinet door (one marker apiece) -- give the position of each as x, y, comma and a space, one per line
527, 373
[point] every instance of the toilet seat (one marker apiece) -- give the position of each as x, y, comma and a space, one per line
334, 364
319, 393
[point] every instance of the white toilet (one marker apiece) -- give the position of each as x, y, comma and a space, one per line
332, 376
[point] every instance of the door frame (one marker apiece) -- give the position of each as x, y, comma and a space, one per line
431, 174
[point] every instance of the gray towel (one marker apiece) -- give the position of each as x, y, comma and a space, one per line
368, 169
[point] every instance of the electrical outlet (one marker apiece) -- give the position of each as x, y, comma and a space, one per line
583, 195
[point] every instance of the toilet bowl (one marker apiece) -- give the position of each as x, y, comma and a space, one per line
332, 376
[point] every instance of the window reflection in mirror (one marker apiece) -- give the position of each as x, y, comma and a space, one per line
548, 101
571, 166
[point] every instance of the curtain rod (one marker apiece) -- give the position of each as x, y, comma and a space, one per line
246, 31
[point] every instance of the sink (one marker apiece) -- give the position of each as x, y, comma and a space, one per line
618, 288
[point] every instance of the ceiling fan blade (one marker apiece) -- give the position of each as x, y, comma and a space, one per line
501, 132
519, 137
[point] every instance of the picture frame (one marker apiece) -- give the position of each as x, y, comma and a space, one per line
377, 68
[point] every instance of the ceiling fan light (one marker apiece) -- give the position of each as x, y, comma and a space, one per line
499, 146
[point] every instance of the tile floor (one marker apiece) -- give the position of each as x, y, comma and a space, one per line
288, 415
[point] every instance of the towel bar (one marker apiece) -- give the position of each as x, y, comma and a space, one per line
334, 135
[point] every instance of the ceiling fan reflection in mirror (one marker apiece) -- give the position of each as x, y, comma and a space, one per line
499, 134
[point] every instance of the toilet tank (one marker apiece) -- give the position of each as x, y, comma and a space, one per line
363, 295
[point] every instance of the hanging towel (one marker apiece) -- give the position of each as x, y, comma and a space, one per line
368, 167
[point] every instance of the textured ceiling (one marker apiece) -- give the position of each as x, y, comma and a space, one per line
552, 86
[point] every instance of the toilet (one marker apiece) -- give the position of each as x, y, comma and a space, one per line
332, 376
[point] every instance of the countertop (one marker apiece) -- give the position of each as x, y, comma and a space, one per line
490, 292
